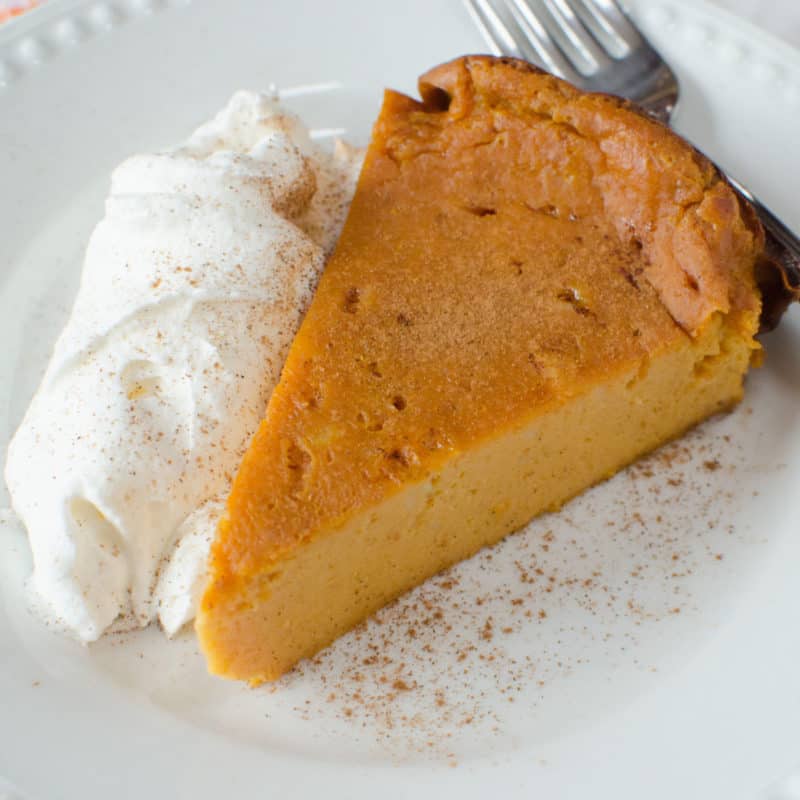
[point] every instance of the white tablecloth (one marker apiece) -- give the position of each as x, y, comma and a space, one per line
780, 17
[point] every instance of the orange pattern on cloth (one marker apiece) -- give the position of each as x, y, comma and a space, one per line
9, 10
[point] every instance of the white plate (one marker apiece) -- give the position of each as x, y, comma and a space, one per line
661, 663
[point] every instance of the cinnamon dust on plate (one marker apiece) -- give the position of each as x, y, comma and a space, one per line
452, 655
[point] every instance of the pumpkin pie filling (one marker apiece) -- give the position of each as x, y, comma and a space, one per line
534, 287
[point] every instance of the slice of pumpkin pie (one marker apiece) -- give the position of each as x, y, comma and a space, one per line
534, 287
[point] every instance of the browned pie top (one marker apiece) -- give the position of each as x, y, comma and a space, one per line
512, 241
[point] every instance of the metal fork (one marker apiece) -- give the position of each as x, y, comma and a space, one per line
595, 45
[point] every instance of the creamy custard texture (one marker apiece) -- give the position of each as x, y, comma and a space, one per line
534, 287
193, 286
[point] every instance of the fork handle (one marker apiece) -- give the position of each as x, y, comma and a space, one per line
781, 242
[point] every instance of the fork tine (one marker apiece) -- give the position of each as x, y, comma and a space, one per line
545, 46
494, 31
600, 28
575, 39
537, 30
608, 17
551, 18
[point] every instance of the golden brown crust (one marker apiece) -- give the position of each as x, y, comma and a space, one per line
694, 229
512, 242
778, 281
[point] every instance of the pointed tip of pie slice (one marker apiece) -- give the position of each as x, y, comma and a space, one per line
534, 287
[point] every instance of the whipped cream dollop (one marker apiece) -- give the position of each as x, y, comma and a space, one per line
193, 286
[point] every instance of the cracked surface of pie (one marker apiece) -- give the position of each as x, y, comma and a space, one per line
534, 287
